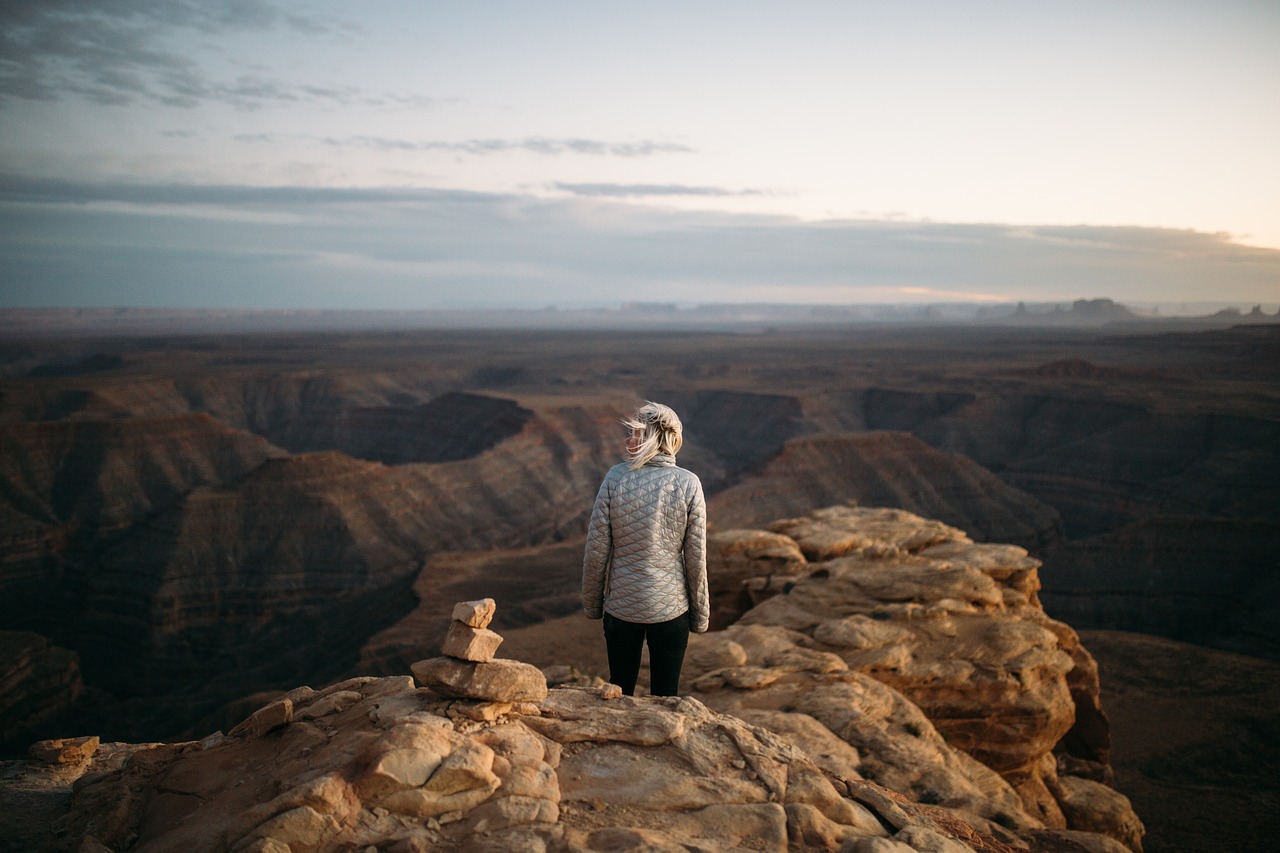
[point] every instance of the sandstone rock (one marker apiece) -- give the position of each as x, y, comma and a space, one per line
404, 759
745, 677
468, 643
756, 545
267, 719
928, 840
479, 711
476, 614
572, 716
407, 778
831, 753
64, 750
1093, 807
329, 703
744, 566
462, 780
876, 845
713, 650
955, 626
1076, 841
496, 681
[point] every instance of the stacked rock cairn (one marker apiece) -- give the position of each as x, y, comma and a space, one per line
469, 670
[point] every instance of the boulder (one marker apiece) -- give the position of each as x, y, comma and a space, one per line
497, 680
266, 719
477, 614
468, 643
64, 750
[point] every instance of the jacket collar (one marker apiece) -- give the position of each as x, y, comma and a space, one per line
665, 460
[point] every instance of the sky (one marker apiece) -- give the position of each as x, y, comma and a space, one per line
406, 154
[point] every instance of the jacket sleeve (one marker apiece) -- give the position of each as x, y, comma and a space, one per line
695, 561
597, 556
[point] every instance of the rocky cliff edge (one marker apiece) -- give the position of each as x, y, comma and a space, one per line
893, 687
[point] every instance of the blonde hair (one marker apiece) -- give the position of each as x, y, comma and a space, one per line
660, 432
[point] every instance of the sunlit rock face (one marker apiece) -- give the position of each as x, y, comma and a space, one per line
887, 599
900, 690
378, 762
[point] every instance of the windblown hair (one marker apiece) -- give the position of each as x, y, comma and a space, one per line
660, 432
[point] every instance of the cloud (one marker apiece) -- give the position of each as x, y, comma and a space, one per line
645, 190
68, 243
129, 51
21, 189
532, 144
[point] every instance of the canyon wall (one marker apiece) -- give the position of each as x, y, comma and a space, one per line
198, 519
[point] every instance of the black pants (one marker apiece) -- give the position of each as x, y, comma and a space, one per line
667, 644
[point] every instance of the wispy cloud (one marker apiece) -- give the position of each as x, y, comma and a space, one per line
21, 189
531, 144
69, 243
649, 190
128, 51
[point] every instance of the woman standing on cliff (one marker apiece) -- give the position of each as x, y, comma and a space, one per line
645, 567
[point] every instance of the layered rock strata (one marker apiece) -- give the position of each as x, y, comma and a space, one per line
896, 611
893, 469
38, 680
902, 691
170, 552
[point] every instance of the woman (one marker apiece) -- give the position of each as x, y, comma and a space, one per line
645, 567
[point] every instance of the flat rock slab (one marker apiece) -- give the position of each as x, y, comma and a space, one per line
477, 614
64, 750
496, 681
267, 719
467, 643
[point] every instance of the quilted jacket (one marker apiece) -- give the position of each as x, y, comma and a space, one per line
646, 558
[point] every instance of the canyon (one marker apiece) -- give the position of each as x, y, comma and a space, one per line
904, 691
193, 522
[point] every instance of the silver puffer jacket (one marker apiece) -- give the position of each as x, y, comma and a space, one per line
646, 555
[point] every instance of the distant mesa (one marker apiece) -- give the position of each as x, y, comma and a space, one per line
60, 322
1255, 314
1083, 312
1078, 368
